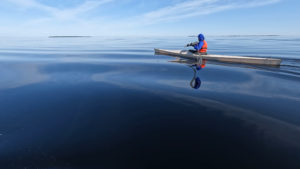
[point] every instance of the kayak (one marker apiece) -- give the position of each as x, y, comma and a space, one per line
221, 58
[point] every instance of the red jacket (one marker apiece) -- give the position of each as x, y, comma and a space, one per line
204, 47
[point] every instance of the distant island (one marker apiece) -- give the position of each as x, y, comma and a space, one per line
69, 36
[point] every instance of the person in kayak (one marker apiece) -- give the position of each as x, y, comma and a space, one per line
200, 46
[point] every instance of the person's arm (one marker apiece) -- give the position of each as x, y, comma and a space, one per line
199, 45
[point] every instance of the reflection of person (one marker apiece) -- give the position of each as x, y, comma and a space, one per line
200, 66
196, 81
200, 46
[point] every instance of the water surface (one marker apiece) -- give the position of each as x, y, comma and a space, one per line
103, 102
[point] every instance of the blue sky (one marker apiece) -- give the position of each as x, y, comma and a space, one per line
148, 17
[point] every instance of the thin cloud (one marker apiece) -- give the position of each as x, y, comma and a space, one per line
57, 13
55, 20
193, 8
83, 8
179, 11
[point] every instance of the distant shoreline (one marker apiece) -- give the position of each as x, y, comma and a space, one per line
69, 36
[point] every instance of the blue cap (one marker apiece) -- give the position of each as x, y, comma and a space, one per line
201, 37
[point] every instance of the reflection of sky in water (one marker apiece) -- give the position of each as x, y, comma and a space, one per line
17, 75
129, 108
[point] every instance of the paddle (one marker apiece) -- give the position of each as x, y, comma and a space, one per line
192, 44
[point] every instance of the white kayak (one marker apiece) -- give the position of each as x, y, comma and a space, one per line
221, 58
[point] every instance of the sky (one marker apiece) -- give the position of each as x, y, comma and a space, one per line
148, 17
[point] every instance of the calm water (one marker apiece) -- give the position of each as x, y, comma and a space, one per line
101, 102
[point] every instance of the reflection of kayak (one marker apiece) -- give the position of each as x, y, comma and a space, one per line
222, 58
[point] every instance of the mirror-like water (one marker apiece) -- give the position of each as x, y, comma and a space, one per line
101, 102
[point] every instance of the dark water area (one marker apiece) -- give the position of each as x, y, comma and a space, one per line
103, 102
